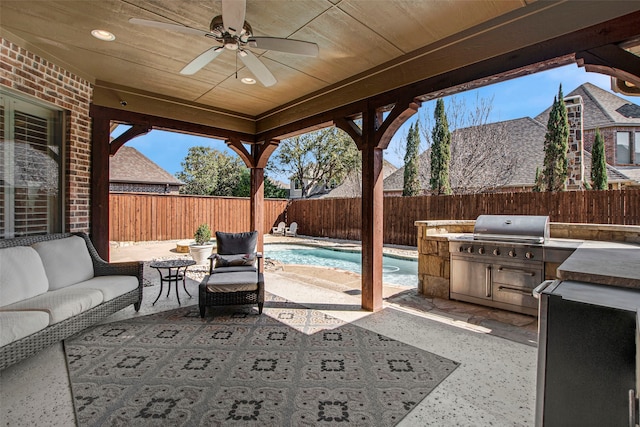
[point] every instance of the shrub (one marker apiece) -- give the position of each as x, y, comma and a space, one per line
203, 234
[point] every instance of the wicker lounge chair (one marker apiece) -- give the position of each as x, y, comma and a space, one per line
234, 273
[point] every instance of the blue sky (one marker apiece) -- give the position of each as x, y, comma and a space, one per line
522, 97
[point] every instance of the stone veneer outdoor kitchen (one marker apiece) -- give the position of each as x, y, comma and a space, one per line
434, 258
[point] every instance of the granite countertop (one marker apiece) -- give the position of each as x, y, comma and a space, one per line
605, 263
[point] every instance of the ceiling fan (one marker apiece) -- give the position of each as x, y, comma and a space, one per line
235, 34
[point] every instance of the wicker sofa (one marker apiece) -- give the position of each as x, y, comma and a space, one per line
53, 286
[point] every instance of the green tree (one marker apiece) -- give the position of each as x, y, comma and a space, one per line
598, 163
538, 181
209, 172
556, 144
440, 151
323, 157
411, 162
271, 191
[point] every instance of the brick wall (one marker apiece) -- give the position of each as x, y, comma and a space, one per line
609, 136
24, 72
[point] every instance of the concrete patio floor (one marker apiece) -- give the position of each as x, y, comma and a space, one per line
494, 385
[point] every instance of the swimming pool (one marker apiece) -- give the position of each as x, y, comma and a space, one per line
395, 271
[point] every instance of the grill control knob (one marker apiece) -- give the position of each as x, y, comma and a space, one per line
512, 253
528, 255
481, 251
461, 249
496, 252
470, 249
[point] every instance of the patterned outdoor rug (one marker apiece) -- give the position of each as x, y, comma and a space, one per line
291, 366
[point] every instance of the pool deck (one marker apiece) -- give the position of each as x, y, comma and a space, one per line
494, 385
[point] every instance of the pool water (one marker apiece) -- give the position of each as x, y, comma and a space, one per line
394, 270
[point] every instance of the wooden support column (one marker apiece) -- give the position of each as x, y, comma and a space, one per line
99, 218
257, 204
372, 138
372, 226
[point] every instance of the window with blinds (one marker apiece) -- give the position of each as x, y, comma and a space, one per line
30, 168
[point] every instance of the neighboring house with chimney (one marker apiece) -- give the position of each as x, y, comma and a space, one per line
131, 171
619, 124
588, 107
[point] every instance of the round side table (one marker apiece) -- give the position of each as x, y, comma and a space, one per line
173, 274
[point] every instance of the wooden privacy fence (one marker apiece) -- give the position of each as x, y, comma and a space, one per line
148, 217
137, 217
341, 218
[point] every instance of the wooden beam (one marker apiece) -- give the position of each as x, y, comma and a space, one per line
611, 60
163, 123
100, 133
401, 112
351, 128
132, 132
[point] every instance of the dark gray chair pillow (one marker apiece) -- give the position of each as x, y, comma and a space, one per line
236, 243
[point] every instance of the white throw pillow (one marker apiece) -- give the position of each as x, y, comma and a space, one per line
22, 275
66, 261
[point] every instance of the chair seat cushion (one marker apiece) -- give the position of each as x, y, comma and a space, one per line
15, 325
232, 282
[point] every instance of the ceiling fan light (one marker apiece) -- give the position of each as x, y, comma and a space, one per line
103, 35
248, 80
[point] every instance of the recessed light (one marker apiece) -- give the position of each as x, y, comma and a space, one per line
248, 80
103, 35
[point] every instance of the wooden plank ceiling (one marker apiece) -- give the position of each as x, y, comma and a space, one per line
366, 47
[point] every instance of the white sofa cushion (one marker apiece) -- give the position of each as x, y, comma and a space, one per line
60, 304
22, 275
110, 286
15, 325
66, 261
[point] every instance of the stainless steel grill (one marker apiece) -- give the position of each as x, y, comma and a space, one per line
512, 228
501, 263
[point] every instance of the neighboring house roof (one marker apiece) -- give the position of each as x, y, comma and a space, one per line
601, 109
130, 165
526, 135
613, 174
633, 172
352, 184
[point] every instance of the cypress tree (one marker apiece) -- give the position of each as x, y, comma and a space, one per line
538, 181
440, 151
411, 185
556, 144
598, 164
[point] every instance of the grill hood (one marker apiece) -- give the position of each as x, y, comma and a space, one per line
513, 228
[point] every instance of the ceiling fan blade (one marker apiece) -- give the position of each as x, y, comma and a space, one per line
298, 47
201, 60
258, 69
168, 26
233, 12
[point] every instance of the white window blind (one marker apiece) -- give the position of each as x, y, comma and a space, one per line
30, 169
